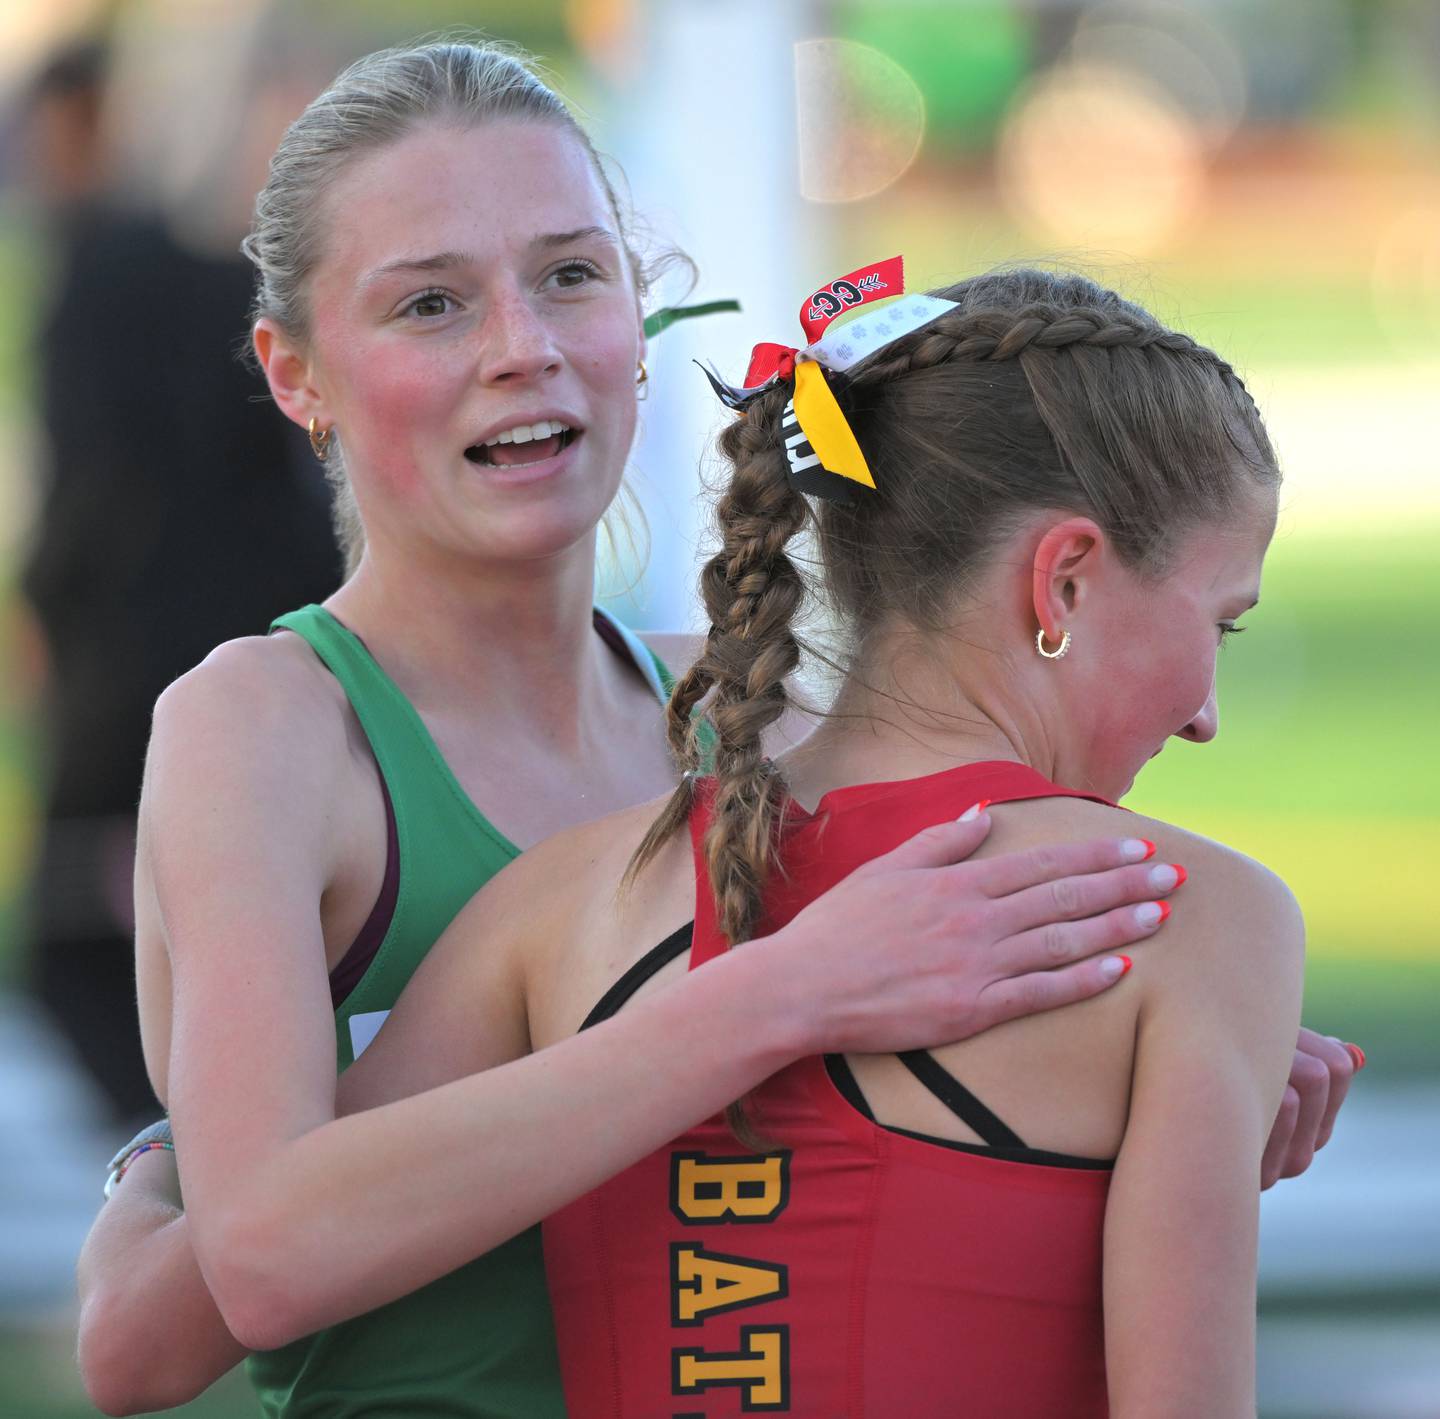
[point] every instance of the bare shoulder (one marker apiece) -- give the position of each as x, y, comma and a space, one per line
1214, 869
253, 684
1236, 928
588, 920
257, 739
262, 708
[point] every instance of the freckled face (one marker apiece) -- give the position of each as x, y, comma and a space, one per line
1150, 657
472, 282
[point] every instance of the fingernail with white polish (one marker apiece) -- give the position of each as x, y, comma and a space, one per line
1149, 914
974, 811
1113, 967
1163, 877
1137, 849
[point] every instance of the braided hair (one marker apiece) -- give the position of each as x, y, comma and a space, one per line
1037, 391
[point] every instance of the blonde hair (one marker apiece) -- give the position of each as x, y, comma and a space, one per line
376, 101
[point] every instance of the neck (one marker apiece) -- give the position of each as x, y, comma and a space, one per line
916, 708
507, 640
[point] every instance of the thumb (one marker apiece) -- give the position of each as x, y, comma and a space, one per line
941, 845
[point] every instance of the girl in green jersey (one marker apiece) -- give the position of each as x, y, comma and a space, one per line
448, 300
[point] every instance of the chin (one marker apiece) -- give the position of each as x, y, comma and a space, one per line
536, 534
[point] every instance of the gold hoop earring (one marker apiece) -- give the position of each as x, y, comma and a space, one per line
319, 440
1052, 654
642, 380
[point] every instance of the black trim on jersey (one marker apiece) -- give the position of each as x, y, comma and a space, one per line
1040, 1157
653, 961
849, 1088
958, 1099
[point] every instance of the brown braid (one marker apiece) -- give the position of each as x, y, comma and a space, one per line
752, 592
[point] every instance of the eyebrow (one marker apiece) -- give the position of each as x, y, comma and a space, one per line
448, 260
441, 261
579, 234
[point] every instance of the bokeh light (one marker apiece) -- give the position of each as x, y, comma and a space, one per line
860, 120
1184, 57
1094, 157
1407, 278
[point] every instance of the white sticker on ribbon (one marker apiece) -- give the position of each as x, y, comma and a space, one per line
845, 345
364, 1028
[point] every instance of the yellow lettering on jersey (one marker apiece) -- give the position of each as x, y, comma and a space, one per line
760, 1368
704, 1283
753, 1189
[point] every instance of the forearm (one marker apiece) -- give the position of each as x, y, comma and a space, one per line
367, 1208
150, 1336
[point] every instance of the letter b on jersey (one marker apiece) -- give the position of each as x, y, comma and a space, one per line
706, 1190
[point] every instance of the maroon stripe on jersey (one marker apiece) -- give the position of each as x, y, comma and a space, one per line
356, 961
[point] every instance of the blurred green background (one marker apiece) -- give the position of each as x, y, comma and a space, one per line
1264, 172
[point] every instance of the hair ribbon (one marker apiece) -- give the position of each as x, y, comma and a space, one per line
825, 459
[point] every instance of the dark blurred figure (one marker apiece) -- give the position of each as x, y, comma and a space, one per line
179, 510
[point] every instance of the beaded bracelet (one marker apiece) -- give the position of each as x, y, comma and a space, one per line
130, 1158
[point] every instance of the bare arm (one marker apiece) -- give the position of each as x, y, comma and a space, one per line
1214, 1044
138, 1260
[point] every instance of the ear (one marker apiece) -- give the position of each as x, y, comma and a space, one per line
1067, 557
289, 373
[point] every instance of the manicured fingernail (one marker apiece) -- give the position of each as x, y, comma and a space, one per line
1165, 876
1149, 914
1113, 967
1137, 849
1358, 1055
974, 811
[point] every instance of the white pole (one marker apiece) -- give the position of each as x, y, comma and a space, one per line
708, 140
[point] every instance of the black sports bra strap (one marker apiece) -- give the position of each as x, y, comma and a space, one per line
651, 963
959, 1100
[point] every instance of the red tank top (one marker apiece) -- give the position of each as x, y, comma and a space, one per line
849, 1269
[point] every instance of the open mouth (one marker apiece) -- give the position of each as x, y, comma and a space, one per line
526, 444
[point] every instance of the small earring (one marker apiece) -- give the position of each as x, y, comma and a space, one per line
642, 379
320, 440
1052, 654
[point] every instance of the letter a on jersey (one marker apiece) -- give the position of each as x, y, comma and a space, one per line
705, 1283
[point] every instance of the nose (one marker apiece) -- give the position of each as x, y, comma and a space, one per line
1206, 725
516, 343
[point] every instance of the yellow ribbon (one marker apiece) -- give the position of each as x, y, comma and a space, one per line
825, 427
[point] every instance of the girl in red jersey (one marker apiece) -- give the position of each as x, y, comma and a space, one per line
1071, 507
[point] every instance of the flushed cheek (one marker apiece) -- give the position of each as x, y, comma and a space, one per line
404, 405
1148, 702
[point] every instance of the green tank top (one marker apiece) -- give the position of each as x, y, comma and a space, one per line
478, 1343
